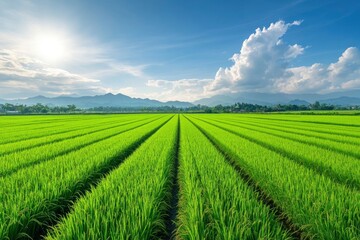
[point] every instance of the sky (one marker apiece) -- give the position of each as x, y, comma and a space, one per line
177, 50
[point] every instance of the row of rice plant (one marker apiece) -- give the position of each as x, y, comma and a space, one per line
96, 126
38, 131
215, 203
15, 134
33, 197
130, 203
313, 202
37, 122
9, 122
321, 120
331, 134
341, 168
13, 162
327, 144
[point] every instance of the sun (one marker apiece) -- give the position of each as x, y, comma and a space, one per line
50, 47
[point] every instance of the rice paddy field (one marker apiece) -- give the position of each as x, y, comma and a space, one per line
180, 176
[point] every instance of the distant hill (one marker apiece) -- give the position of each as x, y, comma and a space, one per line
107, 100
348, 98
299, 102
343, 101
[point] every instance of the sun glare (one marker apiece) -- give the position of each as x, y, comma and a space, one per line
50, 47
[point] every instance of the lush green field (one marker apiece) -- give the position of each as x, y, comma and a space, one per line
191, 176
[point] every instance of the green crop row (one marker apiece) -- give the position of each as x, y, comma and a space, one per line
298, 124
215, 203
327, 134
32, 132
53, 138
343, 148
13, 162
194, 176
41, 122
341, 168
23, 121
33, 197
319, 207
323, 121
131, 202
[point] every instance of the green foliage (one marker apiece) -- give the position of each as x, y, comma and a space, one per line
321, 207
239, 176
130, 202
31, 198
37, 108
215, 202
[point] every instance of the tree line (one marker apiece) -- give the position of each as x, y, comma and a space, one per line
235, 108
36, 109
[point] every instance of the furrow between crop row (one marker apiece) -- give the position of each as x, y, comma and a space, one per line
172, 212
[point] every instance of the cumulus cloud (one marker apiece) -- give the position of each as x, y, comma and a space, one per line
262, 59
25, 76
341, 75
263, 65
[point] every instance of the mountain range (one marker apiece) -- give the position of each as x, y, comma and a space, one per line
348, 98
107, 100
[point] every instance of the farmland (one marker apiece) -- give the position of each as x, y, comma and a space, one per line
180, 176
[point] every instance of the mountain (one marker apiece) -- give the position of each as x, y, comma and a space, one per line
107, 100
347, 98
299, 102
343, 101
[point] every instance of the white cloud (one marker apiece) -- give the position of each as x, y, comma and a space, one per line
183, 90
262, 59
110, 67
341, 75
129, 91
24, 76
263, 65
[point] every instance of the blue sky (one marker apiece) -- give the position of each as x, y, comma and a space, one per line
177, 50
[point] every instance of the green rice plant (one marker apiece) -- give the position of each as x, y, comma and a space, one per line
296, 128
215, 203
32, 198
320, 120
314, 203
31, 131
13, 162
340, 167
24, 121
130, 203
96, 126
325, 143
